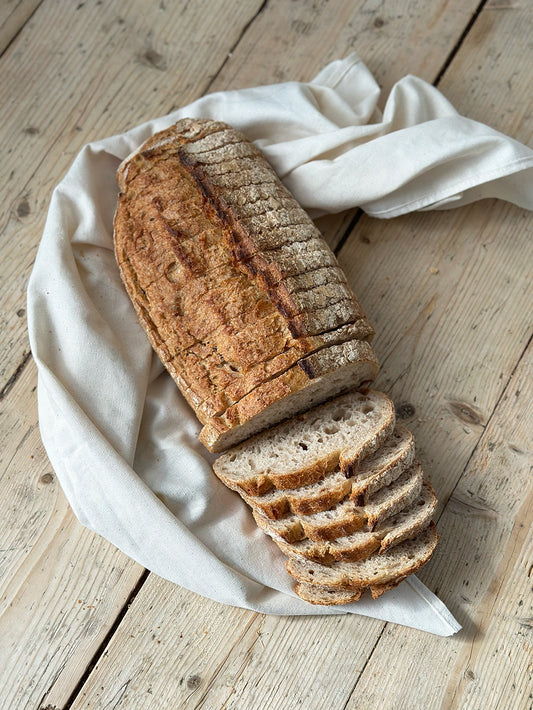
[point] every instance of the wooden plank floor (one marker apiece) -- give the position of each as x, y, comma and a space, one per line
81, 625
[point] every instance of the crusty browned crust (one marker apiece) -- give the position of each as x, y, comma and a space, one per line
231, 280
289, 502
325, 596
348, 575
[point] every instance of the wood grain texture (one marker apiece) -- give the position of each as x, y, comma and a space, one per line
478, 260
13, 16
446, 342
449, 292
47, 560
177, 650
61, 586
168, 653
293, 41
82, 71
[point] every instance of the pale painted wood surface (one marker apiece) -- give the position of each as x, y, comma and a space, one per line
449, 293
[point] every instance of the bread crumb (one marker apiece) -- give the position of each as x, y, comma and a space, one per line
433, 270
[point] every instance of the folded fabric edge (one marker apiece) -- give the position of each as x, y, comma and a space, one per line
440, 609
459, 190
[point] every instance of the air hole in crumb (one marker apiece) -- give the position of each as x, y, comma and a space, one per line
368, 408
233, 457
420, 502
331, 429
302, 445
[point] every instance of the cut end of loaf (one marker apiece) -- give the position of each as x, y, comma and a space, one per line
217, 436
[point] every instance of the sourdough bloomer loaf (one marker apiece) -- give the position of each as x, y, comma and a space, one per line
248, 310
237, 291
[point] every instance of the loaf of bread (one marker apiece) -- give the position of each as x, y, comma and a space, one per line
250, 313
235, 287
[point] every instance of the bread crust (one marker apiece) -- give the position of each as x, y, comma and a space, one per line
229, 276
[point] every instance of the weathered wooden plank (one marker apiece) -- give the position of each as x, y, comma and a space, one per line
293, 41
13, 16
61, 586
81, 71
482, 569
48, 561
169, 653
446, 294
211, 656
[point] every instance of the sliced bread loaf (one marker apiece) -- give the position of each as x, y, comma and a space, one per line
202, 254
304, 448
399, 561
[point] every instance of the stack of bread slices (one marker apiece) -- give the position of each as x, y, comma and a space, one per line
341, 493
253, 317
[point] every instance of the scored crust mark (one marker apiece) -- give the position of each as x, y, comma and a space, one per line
262, 272
295, 391
217, 302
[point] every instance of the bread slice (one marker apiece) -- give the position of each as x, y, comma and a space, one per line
375, 471
326, 596
315, 594
408, 523
399, 561
346, 518
304, 448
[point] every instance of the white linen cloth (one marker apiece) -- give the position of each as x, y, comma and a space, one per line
120, 437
